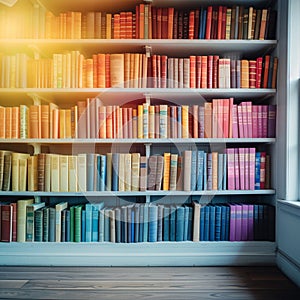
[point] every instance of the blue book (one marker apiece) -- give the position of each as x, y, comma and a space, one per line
186, 223
202, 223
179, 223
257, 170
68, 226
206, 222
200, 170
124, 224
88, 222
204, 171
200, 22
141, 223
106, 225
136, 223
194, 170
173, 224
153, 213
102, 186
160, 223
115, 171
95, 224
72, 223
90, 161
101, 225
179, 127
166, 234
227, 223
209, 171
218, 223
132, 226
271, 65
204, 24
255, 221
83, 224
130, 238
223, 223
190, 224
212, 223
98, 173
118, 224
146, 223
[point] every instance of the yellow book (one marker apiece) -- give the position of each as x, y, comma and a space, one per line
135, 171
15, 175
58, 209
55, 173
214, 170
166, 180
32, 163
21, 219
72, 168
185, 121
108, 25
62, 123
140, 122
68, 124
151, 122
63, 173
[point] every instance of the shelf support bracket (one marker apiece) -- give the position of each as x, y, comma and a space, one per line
35, 98
148, 50
36, 148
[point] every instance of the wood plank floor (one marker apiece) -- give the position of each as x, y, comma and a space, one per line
145, 283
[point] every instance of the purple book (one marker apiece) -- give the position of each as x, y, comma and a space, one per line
245, 210
250, 222
246, 168
236, 169
242, 167
230, 169
259, 121
232, 223
251, 168
264, 121
254, 121
238, 222
271, 121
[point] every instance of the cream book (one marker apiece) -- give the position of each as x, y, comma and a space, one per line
15, 181
72, 169
63, 173
55, 172
58, 209
81, 172
21, 219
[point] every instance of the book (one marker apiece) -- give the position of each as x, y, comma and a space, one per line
21, 219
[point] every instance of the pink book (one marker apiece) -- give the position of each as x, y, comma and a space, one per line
250, 222
226, 118
230, 169
240, 121
245, 119
249, 118
220, 118
230, 126
242, 167
238, 222
246, 168
215, 126
254, 121
251, 168
244, 231
236, 169
262, 170
259, 121
235, 131
264, 121
232, 226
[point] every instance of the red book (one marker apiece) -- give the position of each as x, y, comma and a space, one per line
154, 71
208, 23
158, 68
266, 71
159, 23
117, 27
107, 71
203, 71
154, 22
137, 22
258, 72
224, 12
14, 222
192, 71
220, 17
214, 23
6, 222
198, 72
129, 25
123, 25
215, 71
210, 71
164, 23
191, 24
164, 60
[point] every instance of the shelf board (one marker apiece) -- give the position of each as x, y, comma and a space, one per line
173, 47
120, 96
141, 141
139, 254
138, 194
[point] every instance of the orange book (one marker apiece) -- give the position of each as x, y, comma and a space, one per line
95, 70
102, 122
45, 132
108, 26
8, 122
55, 123
170, 22
263, 24
166, 178
15, 127
89, 73
101, 70
214, 170
203, 71
207, 120
191, 24
192, 71
2, 122
107, 71
274, 75
74, 119
123, 25
245, 74
117, 70
266, 68
117, 26
185, 121
62, 123
68, 124
77, 25
141, 21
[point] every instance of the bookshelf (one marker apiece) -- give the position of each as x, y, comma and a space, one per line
159, 253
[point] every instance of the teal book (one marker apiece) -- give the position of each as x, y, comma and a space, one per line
95, 224
141, 223
115, 171
88, 222
103, 180
186, 223
218, 215
153, 214
166, 224
77, 225
160, 223
83, 224
179, 223
68, 227
190, 224
38, 225
146, 223
51, 224
101, 225
72, 223
124, 224
118, 224
173, 224
46, 224
30, 210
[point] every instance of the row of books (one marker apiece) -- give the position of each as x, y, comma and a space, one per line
220, 118
236, 169
134, 70
143, 22
37, 222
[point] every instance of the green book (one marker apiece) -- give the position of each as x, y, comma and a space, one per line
46, 224
38, 225
72, 223
77, 223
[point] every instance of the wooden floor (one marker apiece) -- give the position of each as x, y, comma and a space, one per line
145, 283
